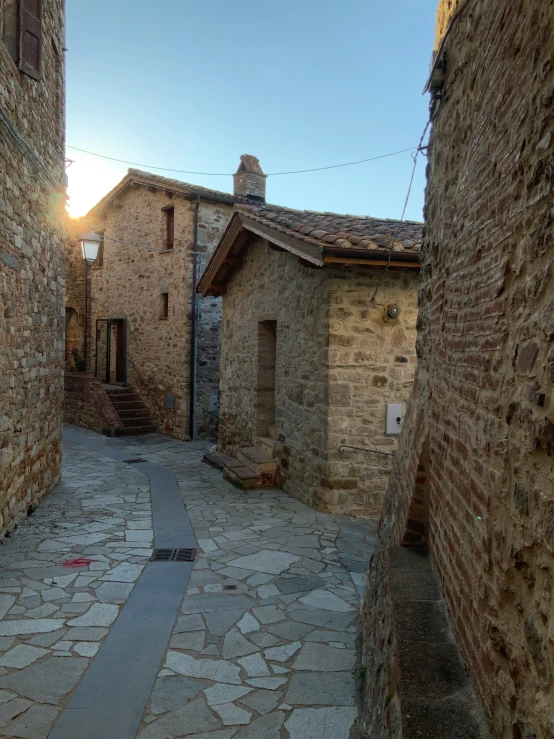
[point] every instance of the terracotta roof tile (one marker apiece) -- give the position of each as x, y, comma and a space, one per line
180, 185
346, 231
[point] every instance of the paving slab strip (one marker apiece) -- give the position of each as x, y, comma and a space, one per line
110, 699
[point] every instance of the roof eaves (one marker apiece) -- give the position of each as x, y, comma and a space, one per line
371, 254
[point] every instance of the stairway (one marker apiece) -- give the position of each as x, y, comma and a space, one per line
255, 467
132, 412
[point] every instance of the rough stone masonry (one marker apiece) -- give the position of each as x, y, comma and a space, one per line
474, 472
32, 199
142, 267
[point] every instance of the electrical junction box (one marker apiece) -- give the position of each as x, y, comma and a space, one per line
393, 424
214, 404
170, 401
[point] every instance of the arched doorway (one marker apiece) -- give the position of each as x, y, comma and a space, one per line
73, 337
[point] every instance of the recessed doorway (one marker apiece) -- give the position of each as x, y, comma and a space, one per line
267, 358
111, 350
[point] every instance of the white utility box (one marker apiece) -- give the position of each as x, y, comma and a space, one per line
393, 425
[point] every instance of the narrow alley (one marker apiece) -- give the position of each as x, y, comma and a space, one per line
94, 633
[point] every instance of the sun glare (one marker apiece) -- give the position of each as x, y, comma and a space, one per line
89, 179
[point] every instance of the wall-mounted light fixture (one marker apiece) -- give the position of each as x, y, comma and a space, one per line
90, 244
393, 311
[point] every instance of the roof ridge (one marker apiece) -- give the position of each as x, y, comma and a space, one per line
285, 209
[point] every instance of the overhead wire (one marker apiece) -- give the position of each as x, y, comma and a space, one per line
420, 148
333, 166
230, 174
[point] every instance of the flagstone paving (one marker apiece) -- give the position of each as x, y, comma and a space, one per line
264, 644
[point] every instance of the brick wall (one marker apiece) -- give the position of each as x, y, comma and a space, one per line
445, 11
337, 364
31, 272
86, 404
484, 395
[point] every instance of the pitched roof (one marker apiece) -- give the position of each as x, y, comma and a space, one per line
185, 189
342, 231
315, 238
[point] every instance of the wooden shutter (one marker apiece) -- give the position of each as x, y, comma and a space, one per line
30, 37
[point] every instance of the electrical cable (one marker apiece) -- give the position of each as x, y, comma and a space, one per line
230, 174
401, 221
131, 243
150, 248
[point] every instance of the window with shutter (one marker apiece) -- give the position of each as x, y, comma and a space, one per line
30, 37
10, 28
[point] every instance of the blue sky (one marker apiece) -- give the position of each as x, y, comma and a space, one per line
298, 83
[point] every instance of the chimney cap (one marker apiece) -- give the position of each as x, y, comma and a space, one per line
250, 163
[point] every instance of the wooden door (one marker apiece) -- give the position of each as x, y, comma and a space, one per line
120, 352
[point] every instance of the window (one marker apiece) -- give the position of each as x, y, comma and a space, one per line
164, 305
22, 34
100, 258
10, 28
169, 226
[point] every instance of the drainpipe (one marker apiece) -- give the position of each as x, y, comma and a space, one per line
194, 324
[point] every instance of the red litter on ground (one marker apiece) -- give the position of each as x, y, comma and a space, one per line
79, 562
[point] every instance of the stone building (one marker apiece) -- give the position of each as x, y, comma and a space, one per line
75, 293
148, 331
473, 481
318, 340
32, 200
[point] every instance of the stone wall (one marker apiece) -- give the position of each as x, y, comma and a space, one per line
338, 363
87, 405
272, 286
75, 291
212, 220
483, 397
445, 12
371, 363
32, 200
129, 285
136, 271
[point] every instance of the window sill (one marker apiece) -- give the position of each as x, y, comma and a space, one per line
164, 318
165, 251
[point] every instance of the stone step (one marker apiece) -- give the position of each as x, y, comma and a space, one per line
131, 411
140, 412
242, 477
256, 460
218, 460
134, 430
121, 392
266, 445
136, 421
130, 407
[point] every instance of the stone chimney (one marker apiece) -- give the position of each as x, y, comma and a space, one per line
249, 179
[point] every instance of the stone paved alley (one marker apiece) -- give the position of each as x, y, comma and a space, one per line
261, 646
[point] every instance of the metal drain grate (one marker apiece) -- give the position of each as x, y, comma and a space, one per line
229, 587
133, 461
173, 555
